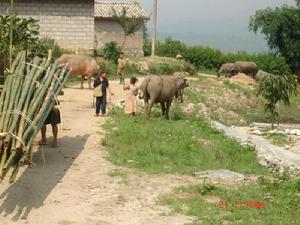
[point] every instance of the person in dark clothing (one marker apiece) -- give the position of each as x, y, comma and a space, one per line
53, 119
101, 101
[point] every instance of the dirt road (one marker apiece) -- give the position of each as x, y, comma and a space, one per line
70, 184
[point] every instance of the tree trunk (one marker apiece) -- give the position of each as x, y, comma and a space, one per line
124, 42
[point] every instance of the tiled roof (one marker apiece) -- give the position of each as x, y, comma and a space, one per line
105, 9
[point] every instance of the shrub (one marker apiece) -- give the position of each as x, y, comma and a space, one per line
203, 57
111, 51
170, 48
43, 46
171, 66
272, 64
111, 68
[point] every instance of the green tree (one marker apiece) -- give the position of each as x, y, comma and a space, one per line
24, 33
111, 51
281, 27
130, 25
275, 89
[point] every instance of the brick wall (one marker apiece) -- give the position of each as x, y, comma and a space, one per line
108, 31
69, 22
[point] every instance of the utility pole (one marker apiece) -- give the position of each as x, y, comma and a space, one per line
154, 28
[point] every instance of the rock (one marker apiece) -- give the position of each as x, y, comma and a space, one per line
189, 109
260, 75
143, 67
255, 131
294, 132
220, 176
275, 131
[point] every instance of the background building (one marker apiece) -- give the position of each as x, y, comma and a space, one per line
79, 24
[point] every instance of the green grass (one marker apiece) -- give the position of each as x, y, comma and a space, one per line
279, 139
280, 197
184, 145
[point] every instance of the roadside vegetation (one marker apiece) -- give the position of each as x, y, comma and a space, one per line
267, 202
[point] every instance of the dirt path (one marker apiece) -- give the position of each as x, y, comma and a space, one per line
70, 184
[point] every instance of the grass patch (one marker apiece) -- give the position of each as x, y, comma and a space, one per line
280, 199
278, 139
212, 72
184, 145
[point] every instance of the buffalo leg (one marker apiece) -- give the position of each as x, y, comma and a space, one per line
163, 108
90, 82
82, 80
146, 105
152, 101
168, 105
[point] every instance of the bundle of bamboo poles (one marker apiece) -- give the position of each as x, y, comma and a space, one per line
29, 93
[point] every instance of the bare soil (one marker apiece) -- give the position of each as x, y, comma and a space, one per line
71, 185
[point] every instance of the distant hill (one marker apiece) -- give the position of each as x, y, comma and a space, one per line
248, 42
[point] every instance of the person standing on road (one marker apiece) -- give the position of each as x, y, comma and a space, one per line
101, 84
54, 119
121, 67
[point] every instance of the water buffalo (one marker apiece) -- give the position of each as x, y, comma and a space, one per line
82, 65
227, 69
162, 89
248, 68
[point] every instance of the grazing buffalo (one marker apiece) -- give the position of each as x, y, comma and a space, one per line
227, 69
162, 89
82, 65
248, 68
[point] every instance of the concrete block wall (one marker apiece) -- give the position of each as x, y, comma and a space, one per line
107, 31
69, 22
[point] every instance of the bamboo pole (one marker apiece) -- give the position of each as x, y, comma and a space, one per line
30, 91
11, 13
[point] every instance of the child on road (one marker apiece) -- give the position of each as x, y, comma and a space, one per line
101, 99
131, 106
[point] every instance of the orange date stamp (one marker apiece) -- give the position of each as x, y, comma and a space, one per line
241, 204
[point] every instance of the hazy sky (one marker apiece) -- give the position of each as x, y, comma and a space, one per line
217, 23
174, 13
